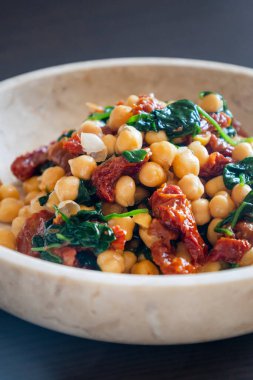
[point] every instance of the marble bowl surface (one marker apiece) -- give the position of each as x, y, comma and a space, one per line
36, 107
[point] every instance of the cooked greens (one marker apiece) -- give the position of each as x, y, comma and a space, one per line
177, 119
137, 155
86, 193
238, 172
103, 116
66, 134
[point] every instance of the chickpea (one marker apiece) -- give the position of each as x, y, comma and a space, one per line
241, 151
211, 267
154, 137
224, 193
199, 151
17, 225
109, 141
129, 138
146, 237
119, 116
124, 191
111, 261
69, 207
25, 211
8, 191
130, 259
203, 139
239, 192
200, 209
214, 185
185, 163
82, 166
140, 194
247, 259
35, 205
132, 100
67, 188
50, 177
152, 174
143, 220
145, 267
9, 208
52, 201
211, 103
7, 239
126, 223
30, 196
91, 126
110, 208
213, 236
181, 251
31, 184
191, 186
163, 153
220, 206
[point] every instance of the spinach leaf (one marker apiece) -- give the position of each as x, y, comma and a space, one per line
244, 211
123, 215
43, 200
76, 231
238, 172
86, 193
104, 116
178, 119
230, 131
66, 134
137, 155
41, 168
87, 259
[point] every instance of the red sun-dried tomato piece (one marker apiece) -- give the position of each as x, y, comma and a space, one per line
73, 145
214, 165
67, 254
229, 250
219, 145
24, 166
34, 225
120, 236
60, 156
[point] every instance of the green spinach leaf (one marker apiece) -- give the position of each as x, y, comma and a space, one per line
103, 116
178, 119
48, 256
238, 172
66, 134
43, 200
137, 155
86, 193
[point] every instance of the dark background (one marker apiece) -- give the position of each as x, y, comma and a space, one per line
36, 34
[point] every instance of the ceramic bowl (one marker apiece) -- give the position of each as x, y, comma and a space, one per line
36, 107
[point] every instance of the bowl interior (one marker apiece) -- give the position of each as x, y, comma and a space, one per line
36, 107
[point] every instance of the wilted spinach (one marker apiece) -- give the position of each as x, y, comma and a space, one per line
178, 119
43, 200
137, 155
66, 134
238, 172
103, 116
86, 193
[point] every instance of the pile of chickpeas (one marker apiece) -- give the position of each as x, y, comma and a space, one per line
211, 201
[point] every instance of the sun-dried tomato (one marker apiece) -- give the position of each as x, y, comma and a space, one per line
67, 254
106, 175
168, 263
24, 167
214, 165
34, 225
173, 209
221, 118
244, 230
60, 156
219, 145
147, 103
73, 145
229, 250
120, 236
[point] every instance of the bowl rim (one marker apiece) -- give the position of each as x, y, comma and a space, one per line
24, 262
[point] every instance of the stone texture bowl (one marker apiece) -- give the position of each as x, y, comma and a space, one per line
36, 107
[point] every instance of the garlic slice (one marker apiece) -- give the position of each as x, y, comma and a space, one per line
69, 207
94, 146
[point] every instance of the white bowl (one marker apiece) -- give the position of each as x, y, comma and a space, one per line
34, 108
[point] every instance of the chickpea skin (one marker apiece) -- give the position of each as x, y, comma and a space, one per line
8, 191
239, 192
119, 116
241, 151
124, 191
9, 209
163, 153
111, 261
185, 163
201, 212
152, 174
83, 166
129, 138
7, 239
191, 186
50, 177
67, 188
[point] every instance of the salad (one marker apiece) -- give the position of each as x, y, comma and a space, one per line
142, 187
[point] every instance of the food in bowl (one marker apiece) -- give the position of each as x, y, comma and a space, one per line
142, 187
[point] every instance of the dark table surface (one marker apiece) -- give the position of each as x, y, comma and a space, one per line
36, 34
